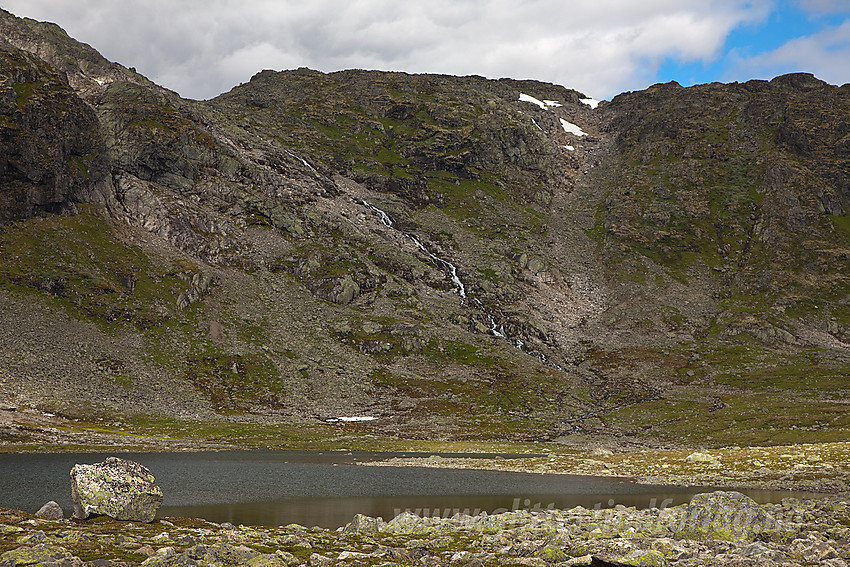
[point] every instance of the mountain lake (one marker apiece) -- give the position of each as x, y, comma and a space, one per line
328, 488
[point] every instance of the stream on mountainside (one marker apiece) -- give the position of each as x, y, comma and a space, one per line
328, 488
497, 330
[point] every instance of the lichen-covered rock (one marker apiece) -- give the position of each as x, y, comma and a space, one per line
362, 524
643, 558
43, 554
406, 523
121, 489
727, 516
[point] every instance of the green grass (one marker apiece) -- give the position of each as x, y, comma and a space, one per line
78, 264
25, 91
842, 224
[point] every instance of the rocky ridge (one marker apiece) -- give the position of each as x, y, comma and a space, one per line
661, 269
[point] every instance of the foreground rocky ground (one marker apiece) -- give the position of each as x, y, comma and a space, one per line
715, 529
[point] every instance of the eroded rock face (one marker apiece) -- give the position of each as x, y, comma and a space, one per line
121, 489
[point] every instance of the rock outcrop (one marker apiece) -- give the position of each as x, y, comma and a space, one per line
121, 489
51, 153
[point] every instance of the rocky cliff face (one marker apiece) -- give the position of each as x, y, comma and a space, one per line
51, 153
456, 255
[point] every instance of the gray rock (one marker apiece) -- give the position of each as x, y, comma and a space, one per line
345, 291
406, 523
362, 524
728, 516
121, 489
51, 511
318, 560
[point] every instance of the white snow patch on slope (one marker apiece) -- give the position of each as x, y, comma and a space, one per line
571, 128
570, 148
528, 98
554, 103
592, 103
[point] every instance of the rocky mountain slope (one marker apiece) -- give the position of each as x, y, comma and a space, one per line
454, 257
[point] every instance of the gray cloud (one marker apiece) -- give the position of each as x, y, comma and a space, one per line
203, 47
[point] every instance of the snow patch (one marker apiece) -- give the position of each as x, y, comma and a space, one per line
543, 104
570, 148
528, 98
351, 418
571, 128
592, 103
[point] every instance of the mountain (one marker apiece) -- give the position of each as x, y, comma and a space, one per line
456, 257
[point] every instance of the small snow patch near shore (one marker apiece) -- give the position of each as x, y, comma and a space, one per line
350, 419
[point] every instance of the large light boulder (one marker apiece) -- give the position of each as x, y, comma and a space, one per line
121, 489
729, 516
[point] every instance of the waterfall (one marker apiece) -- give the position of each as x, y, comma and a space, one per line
497, 330
445, 264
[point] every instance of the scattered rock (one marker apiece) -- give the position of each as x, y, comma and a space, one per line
406, 523
121, 489
642, 558
51, 511
318, 560
812, 550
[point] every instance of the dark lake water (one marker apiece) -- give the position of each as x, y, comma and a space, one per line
328, 488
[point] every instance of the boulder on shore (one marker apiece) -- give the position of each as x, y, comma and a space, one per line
729, 516
121, 489
51, 511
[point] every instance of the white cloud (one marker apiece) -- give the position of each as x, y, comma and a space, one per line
824, 54
203, 47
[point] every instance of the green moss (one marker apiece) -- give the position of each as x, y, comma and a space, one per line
25, 91
841, 224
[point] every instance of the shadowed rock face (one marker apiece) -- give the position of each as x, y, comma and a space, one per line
121, 489
51, 151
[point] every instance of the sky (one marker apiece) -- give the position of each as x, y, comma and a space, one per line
201, 48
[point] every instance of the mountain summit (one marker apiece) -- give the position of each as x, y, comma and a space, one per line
422, 256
